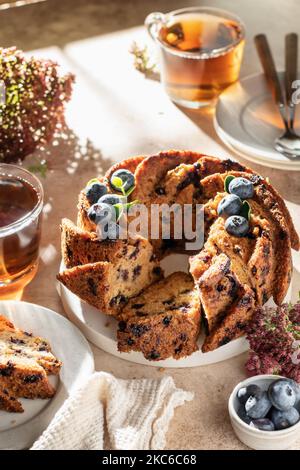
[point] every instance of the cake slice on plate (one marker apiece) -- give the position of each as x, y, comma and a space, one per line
25, 362
163, 321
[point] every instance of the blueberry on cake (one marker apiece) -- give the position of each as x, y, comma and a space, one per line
163, 321
25, 363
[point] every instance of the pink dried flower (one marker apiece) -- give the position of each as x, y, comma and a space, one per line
35, 97
274, 334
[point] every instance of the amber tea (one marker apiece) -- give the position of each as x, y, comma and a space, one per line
201, 53
20, 227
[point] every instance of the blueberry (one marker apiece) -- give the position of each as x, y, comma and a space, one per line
110, 199
230, 205
241, 187
284, 419
127, 178
100, 212
245, 392
243, 415
110, 231
259, 406
264, 424
94, 191
282, 394
237, 225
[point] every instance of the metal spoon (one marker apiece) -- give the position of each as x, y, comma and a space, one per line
289, 142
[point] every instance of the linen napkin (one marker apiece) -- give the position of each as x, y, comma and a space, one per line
134, 413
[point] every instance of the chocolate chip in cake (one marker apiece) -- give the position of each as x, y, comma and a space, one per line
118, 300
122, 325
254, 270
153, 355
157, 271
179, 349
130, 342
160, 191
31, 379
137, 306
167, 320
136, 250
136, 271
141, 314
168, 301
8, 370
220, 287
138, 330
124, 274
17, 341
92, 286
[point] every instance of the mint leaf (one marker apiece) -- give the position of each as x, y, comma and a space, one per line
93, 180
117, 182
246, 210
227, 181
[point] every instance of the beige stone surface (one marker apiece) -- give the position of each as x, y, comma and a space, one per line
116, 113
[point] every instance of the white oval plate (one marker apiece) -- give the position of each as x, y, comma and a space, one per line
20, 430
101, 329
247, 118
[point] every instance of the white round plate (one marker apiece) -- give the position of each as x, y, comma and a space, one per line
20, 430
101, 329
247, 118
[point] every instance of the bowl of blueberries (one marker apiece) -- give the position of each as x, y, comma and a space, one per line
264, 412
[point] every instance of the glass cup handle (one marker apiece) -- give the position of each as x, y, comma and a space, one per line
153, 23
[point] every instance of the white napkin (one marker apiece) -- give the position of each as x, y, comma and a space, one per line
135, 413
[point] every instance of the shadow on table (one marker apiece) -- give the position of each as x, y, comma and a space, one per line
286, 182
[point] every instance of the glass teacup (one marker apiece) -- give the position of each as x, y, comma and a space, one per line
201, 51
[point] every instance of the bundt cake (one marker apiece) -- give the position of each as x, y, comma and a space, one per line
25, 363
163, 321
245, 260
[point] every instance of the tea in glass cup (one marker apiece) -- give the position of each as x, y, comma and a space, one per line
201, 52
21, 202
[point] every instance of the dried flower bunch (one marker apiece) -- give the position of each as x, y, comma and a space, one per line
274, 336
35, 97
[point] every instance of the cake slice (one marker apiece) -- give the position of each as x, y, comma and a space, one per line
108, 285
163, 321
14, 341
25, 362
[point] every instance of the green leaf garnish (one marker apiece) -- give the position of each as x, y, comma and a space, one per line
227, 181
92, 181
130, 190
119, 208
117, 182
246, 210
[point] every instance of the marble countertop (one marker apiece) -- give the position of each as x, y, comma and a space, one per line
115, 113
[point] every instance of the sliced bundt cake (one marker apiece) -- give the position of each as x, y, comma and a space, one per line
233, 273
107, 285
163, 321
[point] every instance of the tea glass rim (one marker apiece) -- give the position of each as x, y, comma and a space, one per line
35, 211
203, 9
